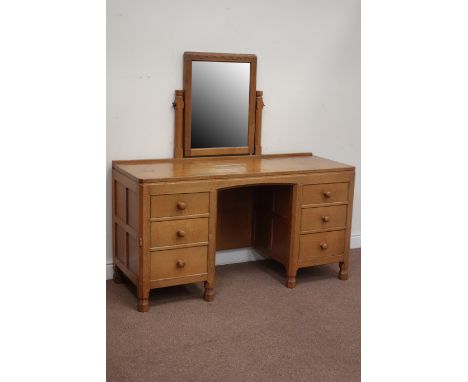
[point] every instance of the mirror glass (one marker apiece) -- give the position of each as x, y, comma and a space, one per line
220, 104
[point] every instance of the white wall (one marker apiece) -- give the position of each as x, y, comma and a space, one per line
308, 67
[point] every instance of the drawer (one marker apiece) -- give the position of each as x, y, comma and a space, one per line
181, 231
323, 244
325, 193
179, 262
317, 218
179, 204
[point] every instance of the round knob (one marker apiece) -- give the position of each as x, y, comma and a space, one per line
180, 263
327, 194
181, 233
325, 219
181, 205
323, 245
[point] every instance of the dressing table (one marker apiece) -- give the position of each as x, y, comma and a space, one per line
170, 216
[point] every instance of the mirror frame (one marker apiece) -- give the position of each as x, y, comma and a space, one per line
189, 57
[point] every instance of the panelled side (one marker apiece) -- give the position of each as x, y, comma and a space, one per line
125, 225
273, 219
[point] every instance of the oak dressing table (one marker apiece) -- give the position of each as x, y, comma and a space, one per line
171, 215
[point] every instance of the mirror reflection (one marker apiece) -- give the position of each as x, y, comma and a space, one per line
220, 104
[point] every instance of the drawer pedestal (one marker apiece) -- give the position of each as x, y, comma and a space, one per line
170, 216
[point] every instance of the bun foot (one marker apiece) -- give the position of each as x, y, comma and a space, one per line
343, 273
143, 305
291, 283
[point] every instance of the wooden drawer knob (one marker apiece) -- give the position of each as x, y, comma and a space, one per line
181, 205
323, 245
325, 219
327, 194
180, 263
181, 233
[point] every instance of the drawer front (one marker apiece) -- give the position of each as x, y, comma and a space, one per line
325, 193
179, 204
183, 231
179, 262
323, 244
318, 218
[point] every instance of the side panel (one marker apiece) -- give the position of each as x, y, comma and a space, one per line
234, 218
125, 227
273, 214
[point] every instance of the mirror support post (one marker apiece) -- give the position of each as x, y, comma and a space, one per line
258, 122
179, 122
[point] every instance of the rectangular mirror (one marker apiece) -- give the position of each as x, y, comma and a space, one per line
219, 103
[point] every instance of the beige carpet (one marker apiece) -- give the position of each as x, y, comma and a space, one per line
255, 330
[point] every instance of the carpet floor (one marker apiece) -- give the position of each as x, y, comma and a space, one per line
256, 329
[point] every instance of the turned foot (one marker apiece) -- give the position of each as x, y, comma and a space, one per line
209, 293
143, 304
143, 300
291, 283
343, 274
118, 276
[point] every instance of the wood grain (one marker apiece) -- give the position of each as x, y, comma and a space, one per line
273, 214
320, 218
211, 277
176, 232
321, 245
179, 124
325, 193
293, 263
143, 282
177, 263
344, 265
259, 105
170, 215
275, 202
179, 205
234, 225
218, 168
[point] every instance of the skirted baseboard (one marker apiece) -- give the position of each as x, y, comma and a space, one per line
242, 255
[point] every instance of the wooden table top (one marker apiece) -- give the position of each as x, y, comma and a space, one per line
160, 170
